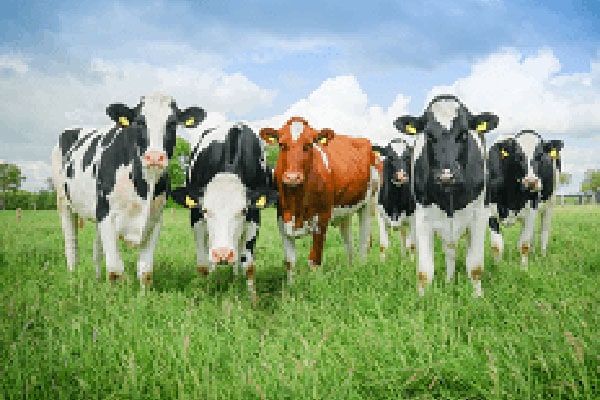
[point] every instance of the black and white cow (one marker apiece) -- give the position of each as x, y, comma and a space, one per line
228, 182
449, 184
119, 178
523, 176
396, 203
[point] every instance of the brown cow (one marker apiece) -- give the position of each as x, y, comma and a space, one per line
321, 178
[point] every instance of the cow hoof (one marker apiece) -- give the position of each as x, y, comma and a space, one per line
202, 269
115, 277
146, 279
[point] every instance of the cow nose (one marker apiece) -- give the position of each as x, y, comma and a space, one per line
446, 177
222, 255
293, 178
155, 158
401, 176
531, 182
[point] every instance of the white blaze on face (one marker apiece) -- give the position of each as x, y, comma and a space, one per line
444, 112
156, 107
224, 201
528, 143
399, 148
296, 129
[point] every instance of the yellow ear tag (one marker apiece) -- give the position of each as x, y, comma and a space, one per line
189, 122
123, 121
323, 140
553, 154
481, 127
503, 154
377, 153
261, 201
271, 140
189, 202
410, 129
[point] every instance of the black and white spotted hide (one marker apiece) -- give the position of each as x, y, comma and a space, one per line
227, 184
118, 177
523, 173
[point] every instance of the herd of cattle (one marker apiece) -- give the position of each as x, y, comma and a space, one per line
444, 181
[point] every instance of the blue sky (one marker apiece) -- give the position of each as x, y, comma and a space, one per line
348, 65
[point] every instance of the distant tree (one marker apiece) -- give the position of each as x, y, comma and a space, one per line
176, 168
591, 180
272, 152
10, 179
564, 178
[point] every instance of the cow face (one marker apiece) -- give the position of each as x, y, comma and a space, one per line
224, 207
508, 166
298, 143
152, 127
536, 158
398, 155
451, 143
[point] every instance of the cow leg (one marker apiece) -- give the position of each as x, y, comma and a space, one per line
289, 250
527, 234
546, 218
411, 243
384, 241
108, 236
475, 251
450, 255
69, 226
201, 240
248, 255
424, 235
346, 233
146, 255
98, 253
496, 239
364, 229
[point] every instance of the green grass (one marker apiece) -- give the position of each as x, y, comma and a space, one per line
342, 332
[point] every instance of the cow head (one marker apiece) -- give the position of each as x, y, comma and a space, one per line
527, 160
298, 142
225, 203
398, 156
448, 138
152, 125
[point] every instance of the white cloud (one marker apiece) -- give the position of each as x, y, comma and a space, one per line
36, 173
340, 103
531, 93
13, 62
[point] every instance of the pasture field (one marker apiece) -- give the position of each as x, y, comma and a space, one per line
341, 332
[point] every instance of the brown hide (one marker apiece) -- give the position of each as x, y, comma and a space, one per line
344, 183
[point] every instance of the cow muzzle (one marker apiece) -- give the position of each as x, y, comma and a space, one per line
532, 183
293, 178
400, 178
222, 255
446, 177
155, 159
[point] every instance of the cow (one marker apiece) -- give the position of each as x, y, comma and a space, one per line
523, 173
119, 179
321, 177
396, 203
449, 184
228, 182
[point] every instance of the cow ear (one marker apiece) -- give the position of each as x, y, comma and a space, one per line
380, 151
484, 122
324, 136
409, 125
120, 113
191, 117
269, 135
178, 195
553, 147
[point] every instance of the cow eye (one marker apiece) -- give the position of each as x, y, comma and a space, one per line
140, 121
306, 146
283, 146
243, 212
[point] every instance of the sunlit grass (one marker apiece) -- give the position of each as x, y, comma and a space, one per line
347, 332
